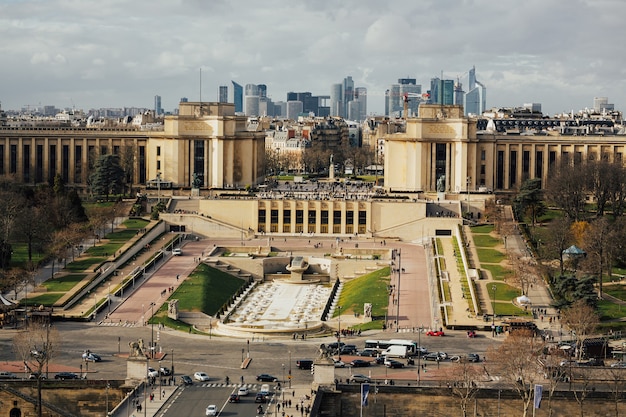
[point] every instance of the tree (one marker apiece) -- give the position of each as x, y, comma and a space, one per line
599, 240
566, 189
524, 272
516, 360
11, 204
127, 162
33, 227
529, 200
35, 345
599, 184
582, 320
108, 176
558, 238
462, 378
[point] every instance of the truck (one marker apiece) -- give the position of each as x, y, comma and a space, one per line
395, 352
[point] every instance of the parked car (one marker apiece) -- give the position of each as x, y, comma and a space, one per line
473, 357
266, 378
471, 333
360, 378
359, 363
200, 376
66, 375
35, 375
242, 392
8, 375
339, 364
335, 345
390, 363
91, 357
435, 333
153, 373
165, 371
186, 380
234, 398
436, 356
178, 252
211, 410
368, 352
348, 350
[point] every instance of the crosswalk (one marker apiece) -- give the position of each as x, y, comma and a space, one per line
251, 387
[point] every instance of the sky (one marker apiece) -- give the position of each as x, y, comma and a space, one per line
121, 53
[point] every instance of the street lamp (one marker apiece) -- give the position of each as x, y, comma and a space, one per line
493, 317
283, 373
399, 253
172, 365
289, 376
339, 333
152, 320
469, 180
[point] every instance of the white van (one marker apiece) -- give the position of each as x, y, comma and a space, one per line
395, 352
265, 390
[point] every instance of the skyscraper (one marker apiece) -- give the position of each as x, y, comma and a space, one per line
347, 93
336, 100
441, 91
360, 95
157, 106
475, 98
238, 97
251, 100
395, 97
223, 94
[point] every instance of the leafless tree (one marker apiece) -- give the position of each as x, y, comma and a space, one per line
617, 384
524, 272
558, 239
516, 361
35, 345
582, 319
566, 189
462, 379
599, 238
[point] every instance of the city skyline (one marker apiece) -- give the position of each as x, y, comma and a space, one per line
124, 54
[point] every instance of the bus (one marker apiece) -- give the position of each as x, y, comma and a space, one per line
380, 345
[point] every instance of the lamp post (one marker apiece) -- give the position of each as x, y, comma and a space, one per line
172, 364
289, 375
468, 181
399, 253
160, 381
159, 186
493, 317
152, 320
419, 355
283, 373
339, 333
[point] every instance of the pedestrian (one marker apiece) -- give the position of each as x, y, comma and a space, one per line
241, 379
297, 407
289, 403
163, 393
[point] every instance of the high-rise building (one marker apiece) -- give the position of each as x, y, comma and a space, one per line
238, 97
157, 106
394, 105
360, 96
601, 104
336, 100
441, 91
223, 94
475, 101
294, 109
347, 93
251, 100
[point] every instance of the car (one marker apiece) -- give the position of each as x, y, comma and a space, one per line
165, 371
66, 375
380, 360
234, 398
339, 364
8, 375
211, 410
304, 363
471, 333
91, 357
435, 333
335, 345
200, 376
153, 373
265, 390
177, 252
186, 380
368, 352
242, 392
359, 363
34, 375
266, 378
473, 357
360, 378
619, 364
390, 363
260, 398
436, 356
348, 350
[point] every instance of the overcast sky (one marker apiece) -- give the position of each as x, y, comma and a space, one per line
117, 53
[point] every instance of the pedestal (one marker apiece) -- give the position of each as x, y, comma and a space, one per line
195, 192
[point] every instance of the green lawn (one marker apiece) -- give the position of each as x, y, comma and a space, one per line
487, 228
19, 255
498, 272
82, 264
369, 288
485, 241
491, 256
206, 289
610, 311
508, 309
616, 290
63, 283
504, 292
47, 299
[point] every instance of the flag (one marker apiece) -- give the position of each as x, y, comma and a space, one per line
365, 390
538, 393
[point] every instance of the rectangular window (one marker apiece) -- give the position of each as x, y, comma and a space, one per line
78, 164
482, 170
198, 160
65, 163
539, 164
13, 160
26, 163
142, 164
525, 165
52, 162
158, 165
116, 150
261, 219
104, 150
500, 170
512, 169
483, 154
158, 151
1, 159
287, 216
39, 163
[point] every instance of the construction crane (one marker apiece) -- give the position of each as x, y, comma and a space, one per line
406, 100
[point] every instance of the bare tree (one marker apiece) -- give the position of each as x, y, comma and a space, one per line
599, 239
516, 361
582, 319
566, 189
558, 239
462, 380
35, 345
524, 272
